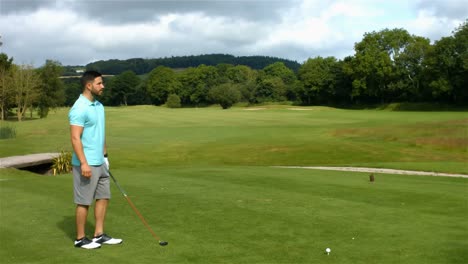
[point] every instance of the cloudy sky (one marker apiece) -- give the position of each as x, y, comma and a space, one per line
76, 32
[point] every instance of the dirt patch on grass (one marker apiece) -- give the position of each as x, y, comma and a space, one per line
448, 134
463, 122
443, 142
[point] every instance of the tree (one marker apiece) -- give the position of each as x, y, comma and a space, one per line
210, 78
441, 69
279, 69
52, 89
226, 94
25, 83
245, 79
377, 67
411, 67
240, 74
197, 82
161, 82
270, 88
460, 78
343, 80
319, 80
276, 82
189, 81
73, 89
447, 67
6, 93
123, 86
223, 68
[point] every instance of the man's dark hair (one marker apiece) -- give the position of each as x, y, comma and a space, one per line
89, 76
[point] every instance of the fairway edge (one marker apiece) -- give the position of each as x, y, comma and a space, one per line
376, 170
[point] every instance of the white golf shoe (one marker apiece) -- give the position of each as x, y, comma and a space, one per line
105, 239
86, 243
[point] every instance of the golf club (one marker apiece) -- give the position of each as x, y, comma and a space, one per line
161, 243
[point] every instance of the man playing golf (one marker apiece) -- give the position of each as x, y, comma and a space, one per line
90, 163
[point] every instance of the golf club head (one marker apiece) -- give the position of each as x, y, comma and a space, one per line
163, 243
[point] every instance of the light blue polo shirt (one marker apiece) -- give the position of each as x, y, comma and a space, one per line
90, 116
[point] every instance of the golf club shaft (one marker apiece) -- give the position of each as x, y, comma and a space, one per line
133, 207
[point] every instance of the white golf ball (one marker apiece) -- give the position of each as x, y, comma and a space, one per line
328, 250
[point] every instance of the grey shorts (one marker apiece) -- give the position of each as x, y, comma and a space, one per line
96, 187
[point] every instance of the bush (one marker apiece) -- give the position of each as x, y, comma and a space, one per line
62, 163
7, 132
43, 111
226, 95
173, 101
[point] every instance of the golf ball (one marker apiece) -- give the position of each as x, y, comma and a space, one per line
328, 250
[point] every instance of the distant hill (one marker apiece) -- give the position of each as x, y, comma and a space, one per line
142, 66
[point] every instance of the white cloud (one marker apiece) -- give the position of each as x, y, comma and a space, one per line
432, 27
351, 9
74, 32
450, 9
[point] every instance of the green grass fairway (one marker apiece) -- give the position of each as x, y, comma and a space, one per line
244, 215
203, 180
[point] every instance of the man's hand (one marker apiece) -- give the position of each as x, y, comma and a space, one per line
85, 170
106, 161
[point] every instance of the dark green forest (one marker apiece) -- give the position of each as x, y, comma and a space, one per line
142, 66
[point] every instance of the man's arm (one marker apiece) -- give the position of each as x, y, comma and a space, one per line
76, 132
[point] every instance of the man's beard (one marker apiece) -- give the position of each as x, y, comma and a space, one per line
95, 94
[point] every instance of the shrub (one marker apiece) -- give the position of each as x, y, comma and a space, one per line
62, 163
7, 132
43, 111
173, 101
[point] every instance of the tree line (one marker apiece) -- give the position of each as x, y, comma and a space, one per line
388, 66
142, 66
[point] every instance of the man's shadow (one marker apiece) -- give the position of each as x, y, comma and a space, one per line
68, 226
